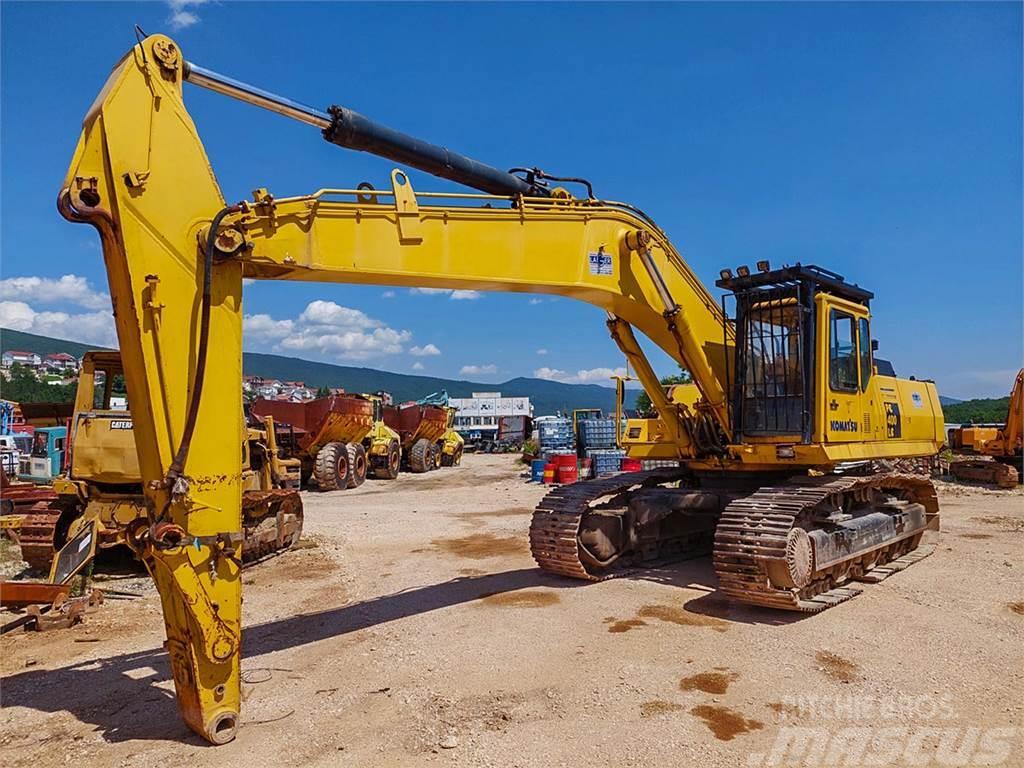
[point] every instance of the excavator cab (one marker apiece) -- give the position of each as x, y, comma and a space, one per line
788, 323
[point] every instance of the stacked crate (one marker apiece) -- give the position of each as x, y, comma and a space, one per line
659, 463
605, 460
596, 433
555, 438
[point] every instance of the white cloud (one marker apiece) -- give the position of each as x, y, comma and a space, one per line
417, 366
586, 376
69, 289
388, 295
86, 327
429, 291
455, 295
428, 350
542, 351
266, 328
330, 330
181, 17
479, 370
327, 313
536, 301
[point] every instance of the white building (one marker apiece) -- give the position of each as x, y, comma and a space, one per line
480, 413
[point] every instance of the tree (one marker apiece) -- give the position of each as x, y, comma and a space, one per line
644, 406
22, 386
323, 392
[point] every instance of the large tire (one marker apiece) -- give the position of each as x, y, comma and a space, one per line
356, 465
434, 457
454, 459
420, 459
332, 468
392, 461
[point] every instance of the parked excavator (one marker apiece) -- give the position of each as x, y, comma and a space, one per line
776, 438
1000, 450
99, 497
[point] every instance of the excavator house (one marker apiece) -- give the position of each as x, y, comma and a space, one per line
776, 439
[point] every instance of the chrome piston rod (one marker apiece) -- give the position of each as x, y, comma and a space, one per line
214, 81
347, 128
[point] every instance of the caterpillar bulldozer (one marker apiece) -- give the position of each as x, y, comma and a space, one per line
999, 450
776, 439
100, 499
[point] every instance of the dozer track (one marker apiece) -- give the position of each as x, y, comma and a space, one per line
272, 523
555, 527
36, 533
763, 554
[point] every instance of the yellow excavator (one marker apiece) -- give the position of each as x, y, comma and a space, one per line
776, 439
1002, 447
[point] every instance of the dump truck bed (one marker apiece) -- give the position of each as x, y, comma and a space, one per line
413, 422
335, 419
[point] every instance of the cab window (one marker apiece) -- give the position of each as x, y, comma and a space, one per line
842, 367
865, 354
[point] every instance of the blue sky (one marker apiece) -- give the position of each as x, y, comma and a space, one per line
882, 141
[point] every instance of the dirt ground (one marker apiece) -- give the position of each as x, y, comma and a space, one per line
419, 631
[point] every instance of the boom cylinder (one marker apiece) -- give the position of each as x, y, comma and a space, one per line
347, 128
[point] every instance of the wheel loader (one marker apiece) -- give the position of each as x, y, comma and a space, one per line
776, 441
101, 491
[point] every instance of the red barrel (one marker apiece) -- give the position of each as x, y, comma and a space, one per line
564, 460
631, 465
549, 474
568, 474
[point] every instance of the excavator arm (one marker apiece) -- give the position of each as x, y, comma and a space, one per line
176, 254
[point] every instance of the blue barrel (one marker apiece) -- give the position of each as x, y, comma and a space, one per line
537, 470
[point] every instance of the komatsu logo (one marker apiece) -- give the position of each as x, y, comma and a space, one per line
843, 426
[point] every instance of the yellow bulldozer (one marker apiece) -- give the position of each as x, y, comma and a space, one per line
776, 440
99, 499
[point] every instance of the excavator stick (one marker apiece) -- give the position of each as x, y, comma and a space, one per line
140, 176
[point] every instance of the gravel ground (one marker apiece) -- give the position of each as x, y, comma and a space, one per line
416, 630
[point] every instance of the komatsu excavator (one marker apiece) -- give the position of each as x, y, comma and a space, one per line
775, 438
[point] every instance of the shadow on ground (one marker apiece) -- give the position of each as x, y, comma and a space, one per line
119, 695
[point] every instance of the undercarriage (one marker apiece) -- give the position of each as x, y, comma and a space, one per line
794, 545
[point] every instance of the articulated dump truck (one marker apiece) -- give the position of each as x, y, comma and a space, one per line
338, 439
428, 440
99, 499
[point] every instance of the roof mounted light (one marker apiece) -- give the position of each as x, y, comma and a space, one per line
725, 274
763, 266
743, 271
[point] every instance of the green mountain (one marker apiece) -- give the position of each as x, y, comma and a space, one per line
41, 345
546, 396
981, 411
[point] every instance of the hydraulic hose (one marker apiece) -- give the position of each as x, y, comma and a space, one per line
178, 464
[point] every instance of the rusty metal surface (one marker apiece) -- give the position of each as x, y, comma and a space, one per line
753, 537
20, 594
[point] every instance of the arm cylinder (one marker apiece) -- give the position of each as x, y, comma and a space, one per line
347, 128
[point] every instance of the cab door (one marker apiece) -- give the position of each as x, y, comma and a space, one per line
842, 390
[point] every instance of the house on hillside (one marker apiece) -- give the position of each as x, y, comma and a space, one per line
62, 362
16, 357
